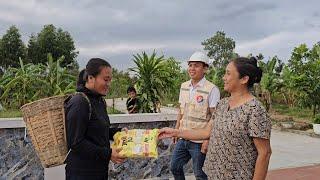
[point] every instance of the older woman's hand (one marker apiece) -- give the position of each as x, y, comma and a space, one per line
167, 133
125, 129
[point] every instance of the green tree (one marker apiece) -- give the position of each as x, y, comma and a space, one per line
33, 50
178, 76
286, 87
153, 79
56, 42
215, 75
120, 82
66, 48
220, 48
11, 48
305, 65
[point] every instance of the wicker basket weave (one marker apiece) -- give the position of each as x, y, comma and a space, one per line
45, 121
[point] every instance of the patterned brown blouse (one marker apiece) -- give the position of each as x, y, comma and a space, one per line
232, 153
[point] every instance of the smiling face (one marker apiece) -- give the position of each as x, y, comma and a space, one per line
196, 70
101, 83
232, 80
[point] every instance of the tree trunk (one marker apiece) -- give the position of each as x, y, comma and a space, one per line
154, 107
113, 102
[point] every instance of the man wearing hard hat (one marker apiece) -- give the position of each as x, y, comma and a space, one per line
198, 99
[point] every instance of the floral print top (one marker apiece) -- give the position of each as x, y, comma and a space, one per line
232, 153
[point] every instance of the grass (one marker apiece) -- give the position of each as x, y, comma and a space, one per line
304, 114
10, 113
295, 112
113, 111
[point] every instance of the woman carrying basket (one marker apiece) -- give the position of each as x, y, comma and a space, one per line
88, 127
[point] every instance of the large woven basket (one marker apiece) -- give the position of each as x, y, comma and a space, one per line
45, 122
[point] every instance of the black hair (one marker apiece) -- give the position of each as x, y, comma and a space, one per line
131, 89
248, 67
93, 68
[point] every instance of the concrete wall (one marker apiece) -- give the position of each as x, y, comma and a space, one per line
19, 161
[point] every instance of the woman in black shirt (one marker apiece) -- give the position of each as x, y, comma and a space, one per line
88, 126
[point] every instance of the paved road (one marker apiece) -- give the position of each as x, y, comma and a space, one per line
293, 150
120, 104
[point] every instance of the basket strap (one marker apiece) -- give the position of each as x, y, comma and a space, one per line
88, 100
90, 113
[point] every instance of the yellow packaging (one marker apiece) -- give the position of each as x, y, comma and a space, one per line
137, 143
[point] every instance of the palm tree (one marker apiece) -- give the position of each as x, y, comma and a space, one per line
154, 78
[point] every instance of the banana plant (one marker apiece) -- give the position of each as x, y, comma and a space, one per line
58, 80
21, 85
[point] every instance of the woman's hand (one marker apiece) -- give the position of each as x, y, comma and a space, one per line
168, 133
125, 129
204, 146
116, 157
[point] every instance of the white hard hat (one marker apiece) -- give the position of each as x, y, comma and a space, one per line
200, 57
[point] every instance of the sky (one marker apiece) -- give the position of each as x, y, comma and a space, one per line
115, 30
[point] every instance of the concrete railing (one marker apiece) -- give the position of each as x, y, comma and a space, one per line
7, 123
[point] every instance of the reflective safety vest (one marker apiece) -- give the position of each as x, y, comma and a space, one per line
194, 110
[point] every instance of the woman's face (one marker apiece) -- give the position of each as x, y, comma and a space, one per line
231, 78
101, 83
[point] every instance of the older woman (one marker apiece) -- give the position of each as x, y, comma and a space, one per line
239, 146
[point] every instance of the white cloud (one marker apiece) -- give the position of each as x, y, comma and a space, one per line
118, 48
10, 17
120, 29
37, 12
281, 43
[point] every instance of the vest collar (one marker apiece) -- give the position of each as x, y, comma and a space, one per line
199, 84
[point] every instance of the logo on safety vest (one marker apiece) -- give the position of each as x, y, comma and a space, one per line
199, 99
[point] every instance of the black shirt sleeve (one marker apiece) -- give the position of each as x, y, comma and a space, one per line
77, 118
112, 132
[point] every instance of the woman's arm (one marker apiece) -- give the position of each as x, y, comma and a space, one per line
264, 154
195, 134
112, 132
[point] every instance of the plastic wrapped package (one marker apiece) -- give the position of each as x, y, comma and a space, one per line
137, 143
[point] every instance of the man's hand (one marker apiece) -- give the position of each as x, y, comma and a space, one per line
204, 146
116, 157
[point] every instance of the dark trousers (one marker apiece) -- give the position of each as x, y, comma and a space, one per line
183, 152
70, 176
